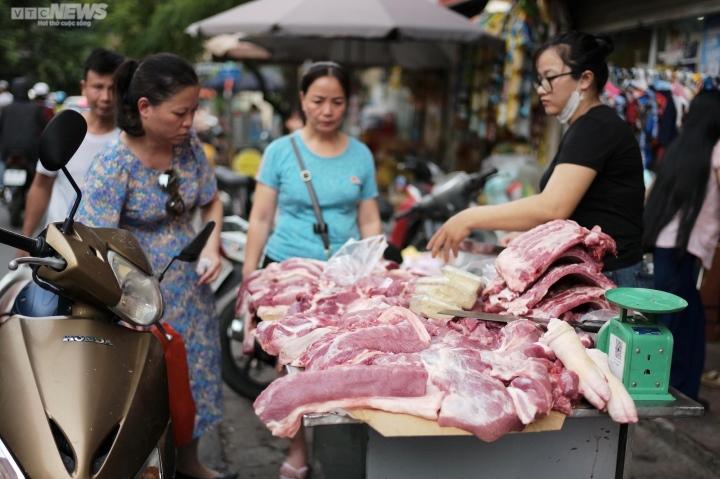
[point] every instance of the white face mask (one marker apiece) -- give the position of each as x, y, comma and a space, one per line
570, 107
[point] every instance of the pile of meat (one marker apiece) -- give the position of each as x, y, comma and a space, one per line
297, 288
551, 271
360, 346
483, 378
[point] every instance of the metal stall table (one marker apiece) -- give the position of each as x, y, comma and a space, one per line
589, 445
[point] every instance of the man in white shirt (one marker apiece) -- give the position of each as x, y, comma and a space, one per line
51, 191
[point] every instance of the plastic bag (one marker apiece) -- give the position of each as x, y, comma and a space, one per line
483, 266
355, 260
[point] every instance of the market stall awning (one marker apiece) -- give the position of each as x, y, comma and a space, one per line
379, 19
357, 52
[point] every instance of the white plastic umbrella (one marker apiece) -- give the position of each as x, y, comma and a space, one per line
370, 19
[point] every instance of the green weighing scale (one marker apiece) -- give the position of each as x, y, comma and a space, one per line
639, 349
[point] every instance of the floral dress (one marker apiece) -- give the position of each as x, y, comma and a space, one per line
121, 192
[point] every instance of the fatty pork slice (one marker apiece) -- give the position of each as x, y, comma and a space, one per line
394, 286
528, 382
473, 401
282, 404
527, 376
280, 284
497, 296
531, 253
564, 301
579, 274
290, 337
397, 330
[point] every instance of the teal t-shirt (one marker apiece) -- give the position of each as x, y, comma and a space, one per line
340, 183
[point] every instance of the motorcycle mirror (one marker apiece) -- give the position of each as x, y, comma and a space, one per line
192, 251
61, 138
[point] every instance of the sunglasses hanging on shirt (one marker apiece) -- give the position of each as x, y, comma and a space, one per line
169, 182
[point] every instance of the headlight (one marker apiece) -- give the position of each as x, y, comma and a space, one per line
141, 300
152, 469
8, 467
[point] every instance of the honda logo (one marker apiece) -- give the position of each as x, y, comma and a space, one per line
87, 339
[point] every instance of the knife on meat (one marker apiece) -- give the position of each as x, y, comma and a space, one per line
590, 327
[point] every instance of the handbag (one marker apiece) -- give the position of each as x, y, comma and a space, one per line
320, 227
182, 404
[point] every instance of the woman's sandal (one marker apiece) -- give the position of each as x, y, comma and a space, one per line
287, 471
711, 378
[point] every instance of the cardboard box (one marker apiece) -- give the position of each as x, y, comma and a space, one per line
404, 425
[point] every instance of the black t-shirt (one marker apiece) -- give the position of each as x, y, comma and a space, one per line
602, 141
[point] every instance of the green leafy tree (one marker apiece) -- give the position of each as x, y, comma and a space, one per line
141, 27
134, 28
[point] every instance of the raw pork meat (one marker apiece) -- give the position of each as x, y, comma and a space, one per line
568, 255
362, 347
473, 401
586, 273
557, 304
531, 253
283, 403
398, 330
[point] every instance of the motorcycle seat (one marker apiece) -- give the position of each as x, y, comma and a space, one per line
229, 179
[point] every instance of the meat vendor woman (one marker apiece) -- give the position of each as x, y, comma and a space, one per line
596, 177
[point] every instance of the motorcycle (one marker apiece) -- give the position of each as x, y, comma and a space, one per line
84, 388
421, 215
235, 191
247, 375
17, 178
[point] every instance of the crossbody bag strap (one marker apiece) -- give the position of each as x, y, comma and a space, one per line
320, 227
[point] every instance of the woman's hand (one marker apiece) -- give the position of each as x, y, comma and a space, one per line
505, 240
447, 239
210, 258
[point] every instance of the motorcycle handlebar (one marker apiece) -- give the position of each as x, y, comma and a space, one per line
478, 180
34, 246
474, 183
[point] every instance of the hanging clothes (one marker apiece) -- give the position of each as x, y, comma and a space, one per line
653, 103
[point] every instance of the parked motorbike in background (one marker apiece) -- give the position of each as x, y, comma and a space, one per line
235, 191
84, 387
247, 375
422, 214
17, 178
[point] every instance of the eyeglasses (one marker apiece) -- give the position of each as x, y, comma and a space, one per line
170, 183
546, 82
